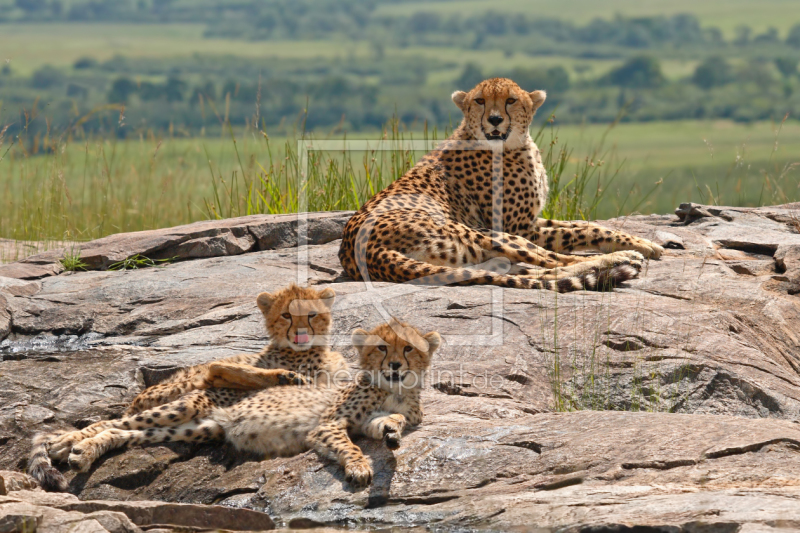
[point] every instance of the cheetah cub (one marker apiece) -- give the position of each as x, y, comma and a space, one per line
382, 400
298, 321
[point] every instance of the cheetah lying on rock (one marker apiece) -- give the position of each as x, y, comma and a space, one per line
441, 218
298, 321
383, 398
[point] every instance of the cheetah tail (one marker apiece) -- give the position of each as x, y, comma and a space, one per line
608, 279
41, 469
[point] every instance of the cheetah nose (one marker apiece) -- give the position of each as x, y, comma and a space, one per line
495, 120
395, 366
301, 336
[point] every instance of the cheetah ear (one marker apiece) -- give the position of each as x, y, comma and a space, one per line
359, 339
264, 302
458, 99
328, 296
434, 340
537, 98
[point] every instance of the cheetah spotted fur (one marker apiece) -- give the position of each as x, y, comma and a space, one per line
437, 224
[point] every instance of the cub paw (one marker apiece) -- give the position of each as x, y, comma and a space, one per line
392, 440
82, 456
358, 473
59, 448
291, 378
392, 431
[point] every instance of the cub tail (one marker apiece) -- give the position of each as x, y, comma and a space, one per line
41, 469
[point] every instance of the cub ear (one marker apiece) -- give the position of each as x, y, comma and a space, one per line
264, 302
458, 99
328, 297
537, 98
434, 340
359, 339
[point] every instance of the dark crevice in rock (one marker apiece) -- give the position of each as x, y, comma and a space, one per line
660, 465
628, 343
451, 389
461, 317
527, 444
522, 379
234, 492
423, 500
559, 483
750, 247
504, 319
455, 305
666, 295
739, 450
324, 269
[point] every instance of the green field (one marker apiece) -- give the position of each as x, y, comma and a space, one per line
727, 15
86, 189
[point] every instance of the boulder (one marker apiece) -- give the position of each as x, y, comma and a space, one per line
669, 403
211, 238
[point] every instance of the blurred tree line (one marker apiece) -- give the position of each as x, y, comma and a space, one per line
747, 77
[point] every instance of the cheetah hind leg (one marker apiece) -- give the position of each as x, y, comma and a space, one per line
194, 404
602, 273
86, 452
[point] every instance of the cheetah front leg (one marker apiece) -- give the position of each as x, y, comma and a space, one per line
331, 440
86, 452
246, 377
569, 236
385, 426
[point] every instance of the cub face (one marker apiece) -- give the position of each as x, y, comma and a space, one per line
395, 356
499, 110
297, 317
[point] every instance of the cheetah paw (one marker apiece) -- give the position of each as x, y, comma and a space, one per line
82, 456
291, 378
391, 439
358, 473
648, 249
59, 448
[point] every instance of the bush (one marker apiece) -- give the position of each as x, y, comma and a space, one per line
47, 77
638, 72
712, 72
554, 79
121, 90
793, 39
786, 65
85, 62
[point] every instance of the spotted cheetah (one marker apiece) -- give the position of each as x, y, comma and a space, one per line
298, 321
381, 401
441, 219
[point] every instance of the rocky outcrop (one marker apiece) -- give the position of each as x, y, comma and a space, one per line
682, 387
25, 509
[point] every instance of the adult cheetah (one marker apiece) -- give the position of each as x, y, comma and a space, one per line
298, 321
473, 202
383, 398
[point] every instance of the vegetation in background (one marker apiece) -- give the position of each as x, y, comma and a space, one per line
353, 65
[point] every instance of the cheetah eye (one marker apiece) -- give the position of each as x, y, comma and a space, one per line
407, 349
312, 314
286, 315
511, 101
382, 348
480, 101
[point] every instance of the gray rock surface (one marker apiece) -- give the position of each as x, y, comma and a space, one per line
683, 385
65, 512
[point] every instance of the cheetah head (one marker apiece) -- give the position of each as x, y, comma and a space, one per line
395, 356
497, 109
297, 317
